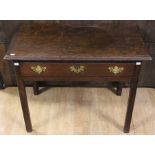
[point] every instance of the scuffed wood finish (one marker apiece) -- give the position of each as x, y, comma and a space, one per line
113, 42
147, 29
45, 52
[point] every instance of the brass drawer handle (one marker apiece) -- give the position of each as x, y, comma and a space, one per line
77, 69
38, 69
116, 70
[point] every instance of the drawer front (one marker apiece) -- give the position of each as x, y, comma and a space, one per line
76, 69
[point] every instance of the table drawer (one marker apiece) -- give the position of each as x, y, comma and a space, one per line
76, 69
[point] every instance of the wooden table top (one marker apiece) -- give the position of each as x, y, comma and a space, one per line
54, 41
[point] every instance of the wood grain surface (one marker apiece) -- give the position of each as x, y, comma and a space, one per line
77, 111
64, 69
147, 29
56, 41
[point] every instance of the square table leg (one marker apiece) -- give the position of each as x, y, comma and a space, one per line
119, 89
131, 100
35, 88
25, 108
23, 99
2, 85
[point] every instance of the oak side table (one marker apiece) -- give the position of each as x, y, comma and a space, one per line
59, 52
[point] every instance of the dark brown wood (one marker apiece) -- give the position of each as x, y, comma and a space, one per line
131, 100
119, 89
35, 88
63, 69
23, 99
2, 85
73, 78
57, 47
147, 29
111, 42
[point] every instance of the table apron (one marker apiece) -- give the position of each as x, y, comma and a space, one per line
123, 79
